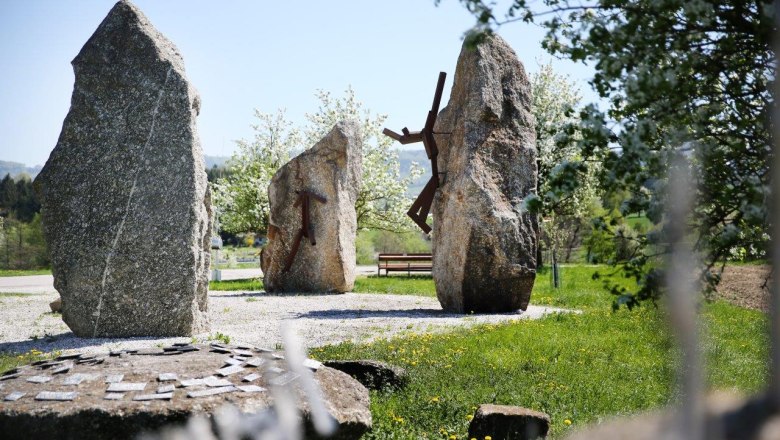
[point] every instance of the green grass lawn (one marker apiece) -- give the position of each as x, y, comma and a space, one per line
396, 284
578, 368
244, 284
18, 273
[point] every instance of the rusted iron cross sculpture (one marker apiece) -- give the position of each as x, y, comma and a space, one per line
307, 227
422, 205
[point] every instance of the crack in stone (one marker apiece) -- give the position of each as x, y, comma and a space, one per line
127, 206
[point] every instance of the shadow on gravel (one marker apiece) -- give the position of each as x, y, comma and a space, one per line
262, 293
67, 341
404, 313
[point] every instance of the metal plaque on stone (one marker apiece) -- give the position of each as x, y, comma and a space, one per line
114, 378
255, 361
192, 382
166, 389
10, 376
233, 361
142, 397
150, 352
74, 379
64, 368
312, 364
69, 356
250, 377
211, 391
56, 395
114, 396
251, 388
126, 386
284, 379
167, 377
16, 395
227, 371
212, 381
243, 352
39, 379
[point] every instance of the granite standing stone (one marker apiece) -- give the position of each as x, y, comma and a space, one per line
125, 201
484, 242
332, 170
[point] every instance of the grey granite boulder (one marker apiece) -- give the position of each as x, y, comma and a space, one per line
484, 243
502, 422
125, 202
374, 375
124, 394
329, 175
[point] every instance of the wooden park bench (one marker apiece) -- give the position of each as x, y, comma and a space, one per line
404, 263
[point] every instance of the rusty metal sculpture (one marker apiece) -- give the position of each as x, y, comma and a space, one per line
422, 205
307, 227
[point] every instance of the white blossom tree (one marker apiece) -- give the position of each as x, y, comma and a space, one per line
241, 198
554, 99
382, 202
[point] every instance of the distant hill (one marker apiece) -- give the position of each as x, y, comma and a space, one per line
406, 157
215, 160
16, 168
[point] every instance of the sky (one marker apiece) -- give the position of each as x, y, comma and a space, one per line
243, 55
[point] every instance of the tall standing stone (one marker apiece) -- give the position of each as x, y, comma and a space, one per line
484, 243
331, 170
124, 195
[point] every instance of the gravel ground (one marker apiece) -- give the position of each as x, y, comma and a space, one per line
253, 318
743, 285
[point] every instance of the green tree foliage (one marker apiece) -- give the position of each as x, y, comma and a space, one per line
685, 78
242, 198
22, 245
18, 199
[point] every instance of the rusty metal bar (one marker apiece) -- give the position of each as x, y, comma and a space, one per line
422, 205
307, 227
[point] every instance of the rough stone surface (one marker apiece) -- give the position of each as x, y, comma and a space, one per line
484, 244
373, 375
331, 169
503, 422
124, 194
92, 416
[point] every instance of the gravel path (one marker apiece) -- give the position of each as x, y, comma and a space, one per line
254, 318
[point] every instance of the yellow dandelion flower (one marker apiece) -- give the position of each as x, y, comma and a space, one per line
567, 422
435, 399
469, 417
487, 437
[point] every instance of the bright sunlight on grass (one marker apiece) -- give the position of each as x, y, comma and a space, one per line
574, 367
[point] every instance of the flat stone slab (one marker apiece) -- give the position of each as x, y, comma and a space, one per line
155, 390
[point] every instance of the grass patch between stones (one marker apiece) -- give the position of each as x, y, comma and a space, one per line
231, 285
